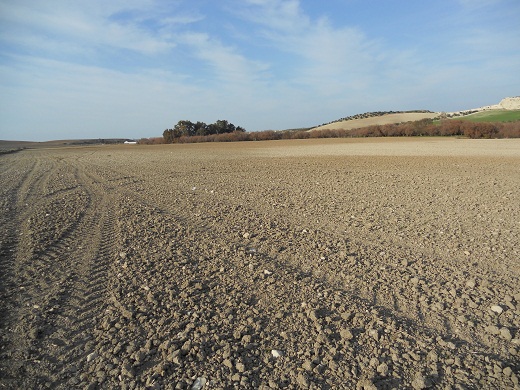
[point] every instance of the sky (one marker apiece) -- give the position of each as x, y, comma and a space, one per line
133, 68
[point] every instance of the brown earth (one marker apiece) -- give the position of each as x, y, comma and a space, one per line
369, 264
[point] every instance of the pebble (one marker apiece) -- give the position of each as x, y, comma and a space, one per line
432, 357
471, 283
421, 382
346, 334
302, 380
276, 353
493, 329
91, 356
374, 333
506, 334
127, 370
497, 309
315, 315
451, 345
198, 384
383, 369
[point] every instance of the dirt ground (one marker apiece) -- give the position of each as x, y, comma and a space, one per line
324, 264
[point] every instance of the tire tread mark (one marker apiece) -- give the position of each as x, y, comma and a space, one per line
65, 287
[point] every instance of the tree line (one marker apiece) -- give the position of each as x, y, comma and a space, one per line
185, 128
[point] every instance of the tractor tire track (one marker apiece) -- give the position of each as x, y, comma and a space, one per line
60, 287
16, 183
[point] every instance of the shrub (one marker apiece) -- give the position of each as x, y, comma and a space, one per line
479, 130
509, 130
424, 127
151, 141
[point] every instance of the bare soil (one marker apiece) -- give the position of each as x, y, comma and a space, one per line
368, 264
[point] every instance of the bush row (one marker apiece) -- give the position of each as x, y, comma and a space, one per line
424, 127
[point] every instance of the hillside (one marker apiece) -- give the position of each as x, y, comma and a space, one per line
507, 110
499, 115
385, 119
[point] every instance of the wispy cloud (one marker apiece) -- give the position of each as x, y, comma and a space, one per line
226, 62
50, 25
67, 99
473, 4
259, 63
330, 58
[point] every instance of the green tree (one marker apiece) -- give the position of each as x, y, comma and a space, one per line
224, 126
168, 136
201, 128
185, 128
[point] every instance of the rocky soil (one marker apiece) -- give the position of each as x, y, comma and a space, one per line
382, 265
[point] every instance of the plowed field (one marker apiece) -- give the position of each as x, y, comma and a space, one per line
365, 263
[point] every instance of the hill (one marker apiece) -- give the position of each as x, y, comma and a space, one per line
373, 120
507, 110
499, 115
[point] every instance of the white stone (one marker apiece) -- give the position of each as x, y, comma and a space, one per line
276, 353
198, 384
91, 356
497, 309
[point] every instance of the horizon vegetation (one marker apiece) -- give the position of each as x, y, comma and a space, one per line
488, 124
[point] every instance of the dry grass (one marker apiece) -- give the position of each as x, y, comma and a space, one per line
378, 120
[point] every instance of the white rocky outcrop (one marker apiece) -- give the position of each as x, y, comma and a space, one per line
510, 103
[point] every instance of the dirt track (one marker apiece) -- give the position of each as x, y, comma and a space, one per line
372, 264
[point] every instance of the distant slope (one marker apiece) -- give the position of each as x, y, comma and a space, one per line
10, 145
378, 120
506, 104
508, 109
492, 116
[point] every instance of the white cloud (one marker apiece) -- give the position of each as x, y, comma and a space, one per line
135, 67
227, 63
281, 16
330, 59
62, 98
45, 25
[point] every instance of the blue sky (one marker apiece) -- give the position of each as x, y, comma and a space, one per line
132, 68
